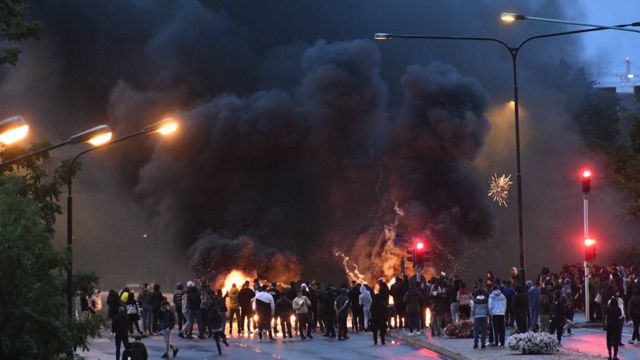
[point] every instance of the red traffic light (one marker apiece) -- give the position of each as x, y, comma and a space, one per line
586, 181
589, 249
419, 245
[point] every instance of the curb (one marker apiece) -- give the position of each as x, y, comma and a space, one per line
435, 348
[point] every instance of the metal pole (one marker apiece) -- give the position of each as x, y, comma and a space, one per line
587, 312
70, 250
514, 58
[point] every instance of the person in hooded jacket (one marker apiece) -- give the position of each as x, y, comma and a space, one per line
215, 319
284, 310
356, 308
497, 308
544, 307
615, 319
145, 305
413, 299
194, 304
534, 309
480, 314
328, 312
558, 315
156, 299
441, 306
265, 308
378, 319
398, 289
364, 301
245, 296
341, 306
113, 303
521, 308
120, 328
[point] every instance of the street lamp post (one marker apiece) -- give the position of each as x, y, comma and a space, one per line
163, 127
13, 129
95, 136
513, 52
511, 17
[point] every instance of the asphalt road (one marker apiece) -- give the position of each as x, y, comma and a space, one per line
359, 346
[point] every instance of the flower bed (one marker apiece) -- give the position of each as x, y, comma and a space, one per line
462, 329
533, 343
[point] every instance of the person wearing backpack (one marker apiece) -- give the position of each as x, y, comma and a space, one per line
634, 313
464, 302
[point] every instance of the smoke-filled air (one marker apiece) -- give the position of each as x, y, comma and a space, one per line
305, 149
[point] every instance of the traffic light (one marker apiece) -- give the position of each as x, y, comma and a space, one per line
586, 182
589, 249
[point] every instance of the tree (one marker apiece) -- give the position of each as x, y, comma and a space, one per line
14, 28
33, 302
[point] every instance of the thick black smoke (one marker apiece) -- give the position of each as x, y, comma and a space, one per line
294, 136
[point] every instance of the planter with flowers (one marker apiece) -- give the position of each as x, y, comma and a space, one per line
533, 343
461, 329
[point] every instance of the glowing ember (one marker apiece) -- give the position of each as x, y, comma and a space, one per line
499, 189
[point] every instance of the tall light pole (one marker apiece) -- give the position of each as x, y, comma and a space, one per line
513, 52
164, 127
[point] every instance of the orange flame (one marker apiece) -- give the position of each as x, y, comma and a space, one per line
237, 277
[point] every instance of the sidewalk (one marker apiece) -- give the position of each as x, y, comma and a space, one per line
585, 343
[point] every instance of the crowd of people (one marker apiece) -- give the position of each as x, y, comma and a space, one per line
261, 308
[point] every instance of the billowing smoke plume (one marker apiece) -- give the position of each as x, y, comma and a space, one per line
212, 256
291, 146
306, 173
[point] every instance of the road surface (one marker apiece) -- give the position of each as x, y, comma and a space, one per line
359, 346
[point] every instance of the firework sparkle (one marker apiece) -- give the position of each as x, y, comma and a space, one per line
499, 189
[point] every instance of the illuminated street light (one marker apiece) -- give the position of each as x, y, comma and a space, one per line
101, 136
164, 127
511, 17
96, 136
13, 129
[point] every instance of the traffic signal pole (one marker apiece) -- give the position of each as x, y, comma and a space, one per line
585, 206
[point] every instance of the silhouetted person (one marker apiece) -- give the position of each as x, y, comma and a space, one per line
378, 319
120, 328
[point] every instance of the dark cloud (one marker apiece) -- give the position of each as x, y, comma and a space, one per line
351, 130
